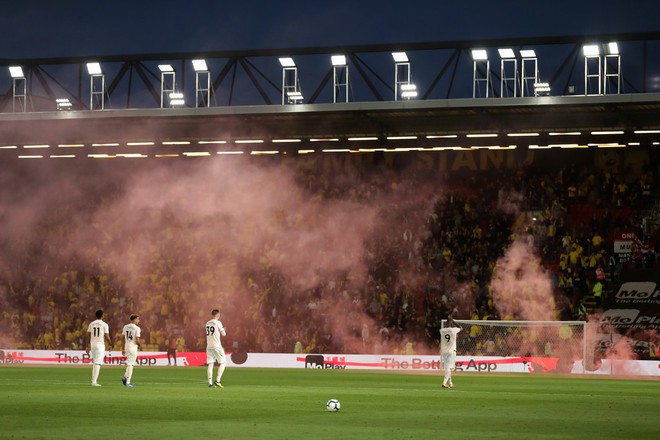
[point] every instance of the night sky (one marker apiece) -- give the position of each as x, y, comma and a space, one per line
46, 28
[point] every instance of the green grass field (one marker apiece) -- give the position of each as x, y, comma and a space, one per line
168, 402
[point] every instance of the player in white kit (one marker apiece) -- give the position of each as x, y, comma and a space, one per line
214, 350
448, 349
97, 333
131, 334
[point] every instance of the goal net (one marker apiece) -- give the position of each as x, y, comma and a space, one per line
565, 340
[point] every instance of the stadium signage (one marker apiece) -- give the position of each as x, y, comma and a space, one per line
633, 310
319, 361
413, 364
430, 363
11, 357
473, 365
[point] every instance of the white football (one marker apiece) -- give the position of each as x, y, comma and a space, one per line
333, 405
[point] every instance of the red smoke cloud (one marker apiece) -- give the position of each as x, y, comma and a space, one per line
522, 289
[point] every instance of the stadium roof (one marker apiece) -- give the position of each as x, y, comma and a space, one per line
564, 121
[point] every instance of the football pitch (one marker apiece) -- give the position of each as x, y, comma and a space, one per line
58, 402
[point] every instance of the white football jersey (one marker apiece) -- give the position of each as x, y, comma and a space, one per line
213, 330
448, 339
131, 332
98, 329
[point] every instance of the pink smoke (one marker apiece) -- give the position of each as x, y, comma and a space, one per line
522, 289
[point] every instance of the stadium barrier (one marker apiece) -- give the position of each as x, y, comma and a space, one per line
468, 364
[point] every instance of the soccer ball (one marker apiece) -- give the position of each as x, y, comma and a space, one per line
333, 405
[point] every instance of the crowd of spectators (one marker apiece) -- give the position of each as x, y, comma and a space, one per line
431, 260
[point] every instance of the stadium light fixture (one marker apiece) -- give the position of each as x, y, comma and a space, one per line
176, 99
612, 48
96, 86
339, 77
506, 53
542, 89
479, 55
291, 93
200, 65
480, 76
400, 57
19, 88
408, 91
167, 83
591, 50
338, 60
94, 68
202, 83
16, 72
402, 75
63, 103
528, 53
287, 62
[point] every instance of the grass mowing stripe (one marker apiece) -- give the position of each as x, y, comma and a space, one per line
174, 402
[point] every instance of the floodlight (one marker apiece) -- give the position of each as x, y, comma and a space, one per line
63, 103
408, 87
479, 55
400, 57
94, 68
506, 53
176, 95
200, 65
591, 50
612, 48
16, 72
338, 60
528, 53
287, 62
166, 68
294, 96
542, 89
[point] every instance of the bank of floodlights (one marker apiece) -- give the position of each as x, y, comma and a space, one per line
340, 78
63, 104
291, 93
96, 86
508, 73
479, 76
19, 88
202, 83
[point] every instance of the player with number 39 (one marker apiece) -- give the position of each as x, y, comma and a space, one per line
214, 350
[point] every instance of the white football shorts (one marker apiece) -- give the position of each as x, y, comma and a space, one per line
449, 359
215, 355
98, 353
131, 353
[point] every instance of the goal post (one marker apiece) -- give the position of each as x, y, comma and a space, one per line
565, 340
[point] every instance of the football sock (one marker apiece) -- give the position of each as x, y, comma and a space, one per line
129, 373
221, 369
209, 373
96, 368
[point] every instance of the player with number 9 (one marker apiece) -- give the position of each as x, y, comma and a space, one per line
448, 349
